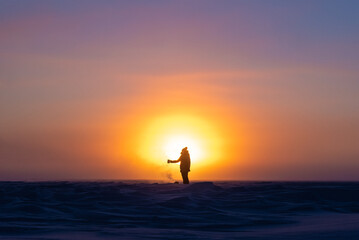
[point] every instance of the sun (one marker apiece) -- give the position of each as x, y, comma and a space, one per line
175, 143
164, 137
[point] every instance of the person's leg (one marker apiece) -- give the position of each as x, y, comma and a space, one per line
187, 180
185, 177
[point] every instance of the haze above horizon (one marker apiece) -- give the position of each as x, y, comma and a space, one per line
257, 90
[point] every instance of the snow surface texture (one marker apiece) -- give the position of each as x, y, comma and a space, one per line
201, 210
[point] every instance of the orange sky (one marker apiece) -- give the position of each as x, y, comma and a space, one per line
94, 91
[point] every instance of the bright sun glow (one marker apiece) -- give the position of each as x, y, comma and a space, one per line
174, 145
165, 137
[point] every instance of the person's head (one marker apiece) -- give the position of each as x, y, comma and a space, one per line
184, 150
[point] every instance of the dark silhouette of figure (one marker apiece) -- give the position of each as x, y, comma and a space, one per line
185, 164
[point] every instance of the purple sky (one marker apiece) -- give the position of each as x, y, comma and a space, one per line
75, 75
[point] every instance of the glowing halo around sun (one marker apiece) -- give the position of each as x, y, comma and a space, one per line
174, 145
165, 136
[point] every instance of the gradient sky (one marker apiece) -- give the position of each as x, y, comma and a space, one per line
81, 80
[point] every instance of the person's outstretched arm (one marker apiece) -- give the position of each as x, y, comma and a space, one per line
173, 161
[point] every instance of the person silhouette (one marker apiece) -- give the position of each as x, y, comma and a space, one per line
185, 164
